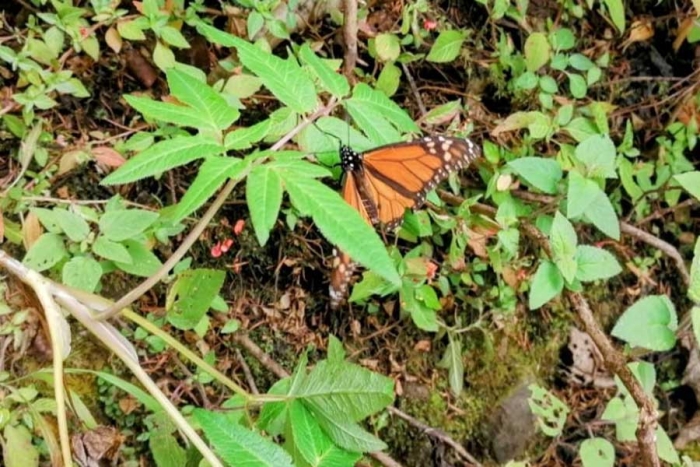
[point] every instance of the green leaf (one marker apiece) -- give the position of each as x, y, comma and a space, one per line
348, 435
664, 447
446, 47
577, 85
163, 156
243, 138
208, 104
602, 214
543, 174
18, 448
242, 86
563, 240
264, 198
580, 62
598, 154
550, 411
423, 316
650, 323
443, 113
595, 263
616, 8
173, 37
597, 452
111, 250
45, 253
452, 361
236, 444
388, 81
376, 102
333, 82
284, 78
387, 46
143, 262
694, 287
124, 224
581, 128
165, 448
581, 193
211, 175
537, 51
547, 284
341, 224
695, 317
82, 272
690, 181
73, 225
254, 24
191, 295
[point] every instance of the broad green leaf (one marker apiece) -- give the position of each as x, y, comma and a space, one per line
191, 295
72, 224
597, 452
236, 444
388, 47
341, 225
210, 177
595, 264
695, 318
580, 62
46, 252
540, 125
562, 39
254, 24
124, 224
163, 156
443, 113
550, 411
446, 47
650, 323
163, 56
111, 250
581, 128
580, 194
452, 361
563, 240
547, 284
694, 287
143, 262
242, 86
165, 448
598, 154
82, 272
543, 174
690, 181
375, 101
209, 104
577, 85
616, 8
664, 447
264, 198
537, 51
173, 37
333, 82
284, 78
18, 448
348, 435
243, 138
388, 81
423, 316
602, 214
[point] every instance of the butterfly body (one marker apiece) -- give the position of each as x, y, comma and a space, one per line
383, 182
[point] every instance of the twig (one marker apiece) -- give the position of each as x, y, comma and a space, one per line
659, 213
414, 90
350, 36
246, 371
435, 433
194, 234
264, 359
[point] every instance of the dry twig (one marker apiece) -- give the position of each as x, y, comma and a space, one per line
350, 37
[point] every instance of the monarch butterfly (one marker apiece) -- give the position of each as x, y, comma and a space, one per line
383, 182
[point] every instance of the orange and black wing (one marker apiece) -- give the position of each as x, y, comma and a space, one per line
399, 176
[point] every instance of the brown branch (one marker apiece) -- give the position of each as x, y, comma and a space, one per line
350, 36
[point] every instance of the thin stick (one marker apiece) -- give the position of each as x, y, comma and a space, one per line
350, 36
414, 90
194, 234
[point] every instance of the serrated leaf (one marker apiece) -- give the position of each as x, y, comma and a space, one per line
45, 253
234, 442
163, 156
376, 102
598, 154
602, 214
333, 82
543, 174
284, 78
563, 241
82, 272
650, 323
446, 47
123, 224
210, 176
209, 104
73, 225
581, 128
191, 295
264, 198
143, 262
243, 138
595, 264
547, 284
341, 225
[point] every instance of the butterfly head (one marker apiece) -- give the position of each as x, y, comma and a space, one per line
350, 160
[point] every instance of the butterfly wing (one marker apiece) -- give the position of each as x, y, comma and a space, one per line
400, 176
